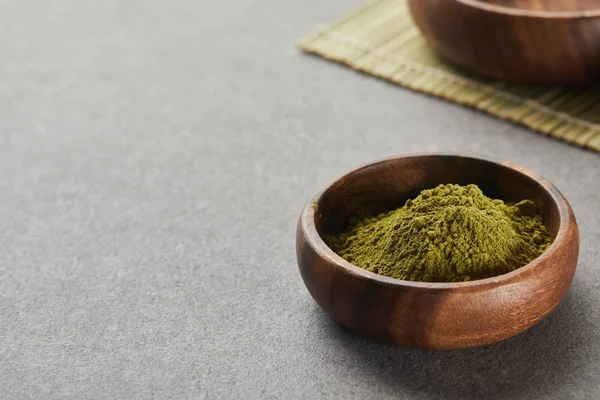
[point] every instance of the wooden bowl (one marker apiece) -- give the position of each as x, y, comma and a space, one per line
528, 41
434, 315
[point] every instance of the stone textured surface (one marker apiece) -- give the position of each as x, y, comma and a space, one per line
155, 156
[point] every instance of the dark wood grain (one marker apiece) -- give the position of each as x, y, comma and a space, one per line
434, 315
517, 40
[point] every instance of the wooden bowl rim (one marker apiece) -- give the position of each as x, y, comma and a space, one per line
313, 238
520, 12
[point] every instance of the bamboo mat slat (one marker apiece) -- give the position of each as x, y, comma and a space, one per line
380, 39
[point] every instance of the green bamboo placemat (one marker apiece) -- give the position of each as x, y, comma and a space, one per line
381, 39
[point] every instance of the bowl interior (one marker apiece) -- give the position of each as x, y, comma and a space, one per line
388, 184
548, 5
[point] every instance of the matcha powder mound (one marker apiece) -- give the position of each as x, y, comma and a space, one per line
448, 234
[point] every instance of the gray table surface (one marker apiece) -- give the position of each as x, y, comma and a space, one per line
155, 156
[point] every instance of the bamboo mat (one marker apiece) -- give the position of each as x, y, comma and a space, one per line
381, 39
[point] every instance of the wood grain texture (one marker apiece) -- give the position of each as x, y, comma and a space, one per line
516, 40
434, 315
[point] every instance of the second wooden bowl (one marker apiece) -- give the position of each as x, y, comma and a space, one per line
434, 315
527, 41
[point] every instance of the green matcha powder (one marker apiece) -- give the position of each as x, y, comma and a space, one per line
448, 234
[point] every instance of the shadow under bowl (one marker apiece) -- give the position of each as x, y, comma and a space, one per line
424, 314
